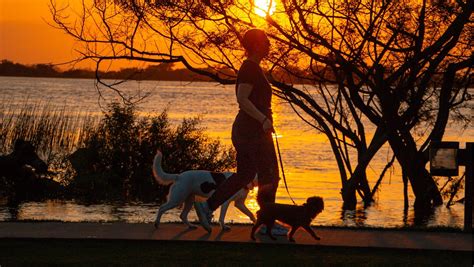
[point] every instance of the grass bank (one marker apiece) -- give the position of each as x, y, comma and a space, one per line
36, 252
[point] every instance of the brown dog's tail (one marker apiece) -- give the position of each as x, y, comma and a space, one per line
161, 176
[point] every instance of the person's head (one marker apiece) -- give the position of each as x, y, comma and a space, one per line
256, 43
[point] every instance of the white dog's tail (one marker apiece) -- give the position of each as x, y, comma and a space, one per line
161, 176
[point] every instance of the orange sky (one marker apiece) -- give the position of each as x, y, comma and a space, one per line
26, 38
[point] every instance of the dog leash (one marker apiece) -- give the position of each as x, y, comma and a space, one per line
281, 164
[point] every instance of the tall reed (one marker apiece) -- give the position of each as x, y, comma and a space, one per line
55, 131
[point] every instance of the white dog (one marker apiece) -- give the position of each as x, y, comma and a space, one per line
188, 184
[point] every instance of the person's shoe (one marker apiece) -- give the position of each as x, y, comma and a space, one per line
277, 229
204, 214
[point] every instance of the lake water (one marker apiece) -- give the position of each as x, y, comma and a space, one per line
309, 164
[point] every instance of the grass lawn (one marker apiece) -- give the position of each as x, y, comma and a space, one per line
35, 252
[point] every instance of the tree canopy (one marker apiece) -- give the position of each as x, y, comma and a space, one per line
379, 70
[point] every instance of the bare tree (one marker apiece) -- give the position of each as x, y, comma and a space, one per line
373, 68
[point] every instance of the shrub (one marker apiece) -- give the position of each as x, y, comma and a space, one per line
115, 160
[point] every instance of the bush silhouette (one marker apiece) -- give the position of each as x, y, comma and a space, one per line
114, 161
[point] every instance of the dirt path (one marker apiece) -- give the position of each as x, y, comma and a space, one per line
239, 233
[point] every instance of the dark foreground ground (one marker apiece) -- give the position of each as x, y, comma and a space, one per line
115, 244
77, 252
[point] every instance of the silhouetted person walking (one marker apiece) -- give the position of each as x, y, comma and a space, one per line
251, 132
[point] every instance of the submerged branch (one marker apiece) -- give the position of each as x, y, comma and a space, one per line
389, 164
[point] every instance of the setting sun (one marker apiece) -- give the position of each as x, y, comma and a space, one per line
264, 7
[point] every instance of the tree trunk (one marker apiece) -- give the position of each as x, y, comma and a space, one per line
364, 185
405, 190
349, 195
424, 187
404, 146
359, 176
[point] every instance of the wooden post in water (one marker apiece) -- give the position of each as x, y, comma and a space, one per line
468, 162
445, 157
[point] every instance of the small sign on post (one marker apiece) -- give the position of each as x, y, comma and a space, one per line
445, 159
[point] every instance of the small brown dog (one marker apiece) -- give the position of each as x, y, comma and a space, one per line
295, 216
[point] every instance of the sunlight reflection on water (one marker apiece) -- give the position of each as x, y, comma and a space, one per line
70, 211
309, 164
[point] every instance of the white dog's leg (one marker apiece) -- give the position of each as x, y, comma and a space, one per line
188, 204
224, 208
176, 196
164, 208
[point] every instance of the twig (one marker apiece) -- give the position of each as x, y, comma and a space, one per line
389, 164
456, 186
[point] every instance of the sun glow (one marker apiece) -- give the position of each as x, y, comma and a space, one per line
264, 7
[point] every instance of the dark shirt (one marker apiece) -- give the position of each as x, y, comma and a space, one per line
245, 127
261, 95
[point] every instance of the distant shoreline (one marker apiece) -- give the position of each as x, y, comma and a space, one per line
93, 78
161, 72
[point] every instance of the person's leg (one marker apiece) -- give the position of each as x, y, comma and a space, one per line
246, 171
268, 173
268, 178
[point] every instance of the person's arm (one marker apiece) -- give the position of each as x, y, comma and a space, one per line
243, 93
